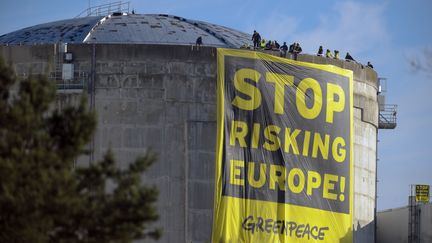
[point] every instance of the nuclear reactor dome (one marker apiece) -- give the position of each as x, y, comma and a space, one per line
121, 28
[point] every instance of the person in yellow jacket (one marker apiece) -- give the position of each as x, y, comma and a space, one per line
329, 54
263, 43
336, 54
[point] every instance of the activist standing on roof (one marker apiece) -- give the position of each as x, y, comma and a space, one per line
296, 49
198, 41
256, 38
320, 51
283, 50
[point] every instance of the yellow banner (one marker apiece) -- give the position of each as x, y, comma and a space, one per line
422, 193
284, 170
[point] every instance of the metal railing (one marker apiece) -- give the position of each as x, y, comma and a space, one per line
77, 84
105, 9
387, 116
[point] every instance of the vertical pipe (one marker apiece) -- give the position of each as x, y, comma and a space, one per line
376, 165
186, 189
92, 96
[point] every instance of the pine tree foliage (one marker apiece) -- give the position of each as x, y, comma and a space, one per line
43, 197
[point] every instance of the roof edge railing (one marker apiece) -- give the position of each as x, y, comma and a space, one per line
105, 9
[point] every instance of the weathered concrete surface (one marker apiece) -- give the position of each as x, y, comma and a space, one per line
164, 98
392, 224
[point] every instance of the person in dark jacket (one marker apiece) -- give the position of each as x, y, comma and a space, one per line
291, 48
283, 50
256, 38
198, 41
268, 46
370, 65
296, 50
277, 45
349, 58
320, 51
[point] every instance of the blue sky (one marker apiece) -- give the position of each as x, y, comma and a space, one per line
387, 33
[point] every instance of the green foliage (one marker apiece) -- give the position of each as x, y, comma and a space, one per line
43, 198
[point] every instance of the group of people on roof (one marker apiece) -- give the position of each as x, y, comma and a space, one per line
294, 49
336, 55
329, 54
261, 44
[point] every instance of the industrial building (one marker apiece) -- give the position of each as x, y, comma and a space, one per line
151, 87
409, 224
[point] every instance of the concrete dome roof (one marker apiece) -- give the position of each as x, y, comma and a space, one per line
128, 28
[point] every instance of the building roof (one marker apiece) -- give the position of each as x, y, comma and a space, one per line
128, 28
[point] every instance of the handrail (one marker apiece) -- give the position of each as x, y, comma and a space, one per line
105, 9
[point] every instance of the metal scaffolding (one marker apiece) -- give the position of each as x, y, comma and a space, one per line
414, 218
387, 112
78, 79
387, 116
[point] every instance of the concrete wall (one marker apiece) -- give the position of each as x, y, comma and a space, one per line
392, 225
164, 98
27, 60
